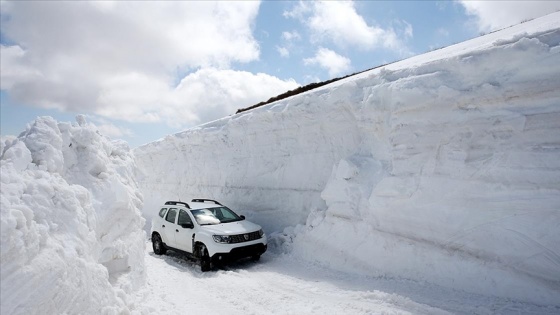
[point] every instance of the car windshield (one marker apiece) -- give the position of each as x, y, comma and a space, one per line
214, 215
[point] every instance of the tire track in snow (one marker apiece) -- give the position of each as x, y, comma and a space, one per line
285, 285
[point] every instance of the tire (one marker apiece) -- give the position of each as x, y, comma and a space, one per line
256, 257
157, 245
205, 261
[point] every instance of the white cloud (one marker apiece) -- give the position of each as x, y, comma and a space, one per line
283, 51
338, 22
212, 93
493, 15
289, 36
408, 32
312, 79
121, 59
202, 96
13, 69
299, 11
112, 131
330, 60
442, 32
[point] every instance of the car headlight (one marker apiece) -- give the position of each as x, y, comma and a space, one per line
221, 238
261, 232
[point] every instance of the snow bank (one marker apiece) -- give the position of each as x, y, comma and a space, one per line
444, 167
71, 228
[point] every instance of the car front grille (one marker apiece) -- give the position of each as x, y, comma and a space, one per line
240, 238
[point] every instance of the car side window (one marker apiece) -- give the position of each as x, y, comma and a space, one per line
162, 212
171, 214
184, 218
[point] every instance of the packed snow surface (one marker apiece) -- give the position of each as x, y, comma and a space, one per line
442, 168
71, 227
286, 284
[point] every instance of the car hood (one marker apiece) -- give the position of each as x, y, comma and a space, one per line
232, 228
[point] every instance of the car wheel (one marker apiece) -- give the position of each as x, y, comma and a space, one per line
256, 257
157, 245
205, 262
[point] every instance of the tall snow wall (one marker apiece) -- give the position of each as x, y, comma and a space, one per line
443, 168
71, 227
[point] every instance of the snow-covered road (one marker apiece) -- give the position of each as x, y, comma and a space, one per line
282, 284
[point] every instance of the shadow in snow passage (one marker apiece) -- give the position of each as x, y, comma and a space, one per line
443, 298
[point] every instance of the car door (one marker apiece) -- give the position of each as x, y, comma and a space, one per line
158, 220
168, 227
184, 231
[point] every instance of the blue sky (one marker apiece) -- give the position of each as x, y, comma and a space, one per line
142, 70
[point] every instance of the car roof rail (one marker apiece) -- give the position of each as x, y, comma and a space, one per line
205, 200
178, 203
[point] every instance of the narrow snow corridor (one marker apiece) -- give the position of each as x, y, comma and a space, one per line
283, 284
444, 167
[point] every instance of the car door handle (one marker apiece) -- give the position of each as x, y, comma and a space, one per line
163, 225
176, 230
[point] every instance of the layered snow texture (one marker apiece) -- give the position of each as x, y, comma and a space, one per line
71, 226
443, 168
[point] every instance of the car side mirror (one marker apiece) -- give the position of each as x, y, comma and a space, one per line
242, 217
187, 226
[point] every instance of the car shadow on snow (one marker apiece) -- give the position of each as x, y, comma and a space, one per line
184, 263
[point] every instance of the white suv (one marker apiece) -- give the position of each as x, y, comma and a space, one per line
206, 230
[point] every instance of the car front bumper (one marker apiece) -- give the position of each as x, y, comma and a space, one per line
241, 252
